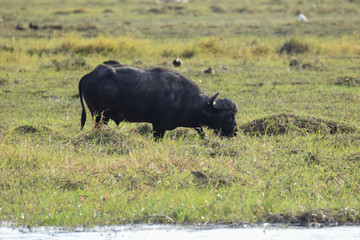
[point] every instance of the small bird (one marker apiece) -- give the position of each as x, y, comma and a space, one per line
177, 62
33, 26
301, 17
209, 71
199, 175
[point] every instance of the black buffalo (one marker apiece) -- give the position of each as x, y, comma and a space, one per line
162, 97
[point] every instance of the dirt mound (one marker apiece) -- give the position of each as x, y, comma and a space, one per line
37, 131
348, 81
284, 123
26, 129
312, 217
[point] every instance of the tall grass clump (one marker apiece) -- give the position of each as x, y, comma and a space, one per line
125, 46
21, 52
346, 45
215, 45
253, 48
295, 45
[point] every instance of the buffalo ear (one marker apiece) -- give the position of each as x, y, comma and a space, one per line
212, 99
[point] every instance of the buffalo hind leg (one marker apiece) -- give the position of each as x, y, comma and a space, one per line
201, 132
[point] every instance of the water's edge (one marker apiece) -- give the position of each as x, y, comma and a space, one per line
162, 232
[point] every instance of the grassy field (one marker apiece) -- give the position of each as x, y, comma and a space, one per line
297, 85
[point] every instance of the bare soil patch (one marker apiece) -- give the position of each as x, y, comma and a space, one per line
285, 123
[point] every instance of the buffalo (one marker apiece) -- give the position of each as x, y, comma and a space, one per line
162, 97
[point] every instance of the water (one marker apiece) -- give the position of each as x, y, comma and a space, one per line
165, 232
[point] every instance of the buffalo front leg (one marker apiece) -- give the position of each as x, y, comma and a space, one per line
158, 132
201, 132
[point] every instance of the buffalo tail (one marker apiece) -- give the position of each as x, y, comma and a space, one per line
83, 113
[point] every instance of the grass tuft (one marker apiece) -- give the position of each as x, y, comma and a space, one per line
294, 46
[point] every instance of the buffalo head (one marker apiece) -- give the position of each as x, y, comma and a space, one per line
220, 116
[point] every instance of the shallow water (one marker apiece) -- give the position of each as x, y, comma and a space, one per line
165, 232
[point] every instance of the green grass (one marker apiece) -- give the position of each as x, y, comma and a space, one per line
51, 173
145, 18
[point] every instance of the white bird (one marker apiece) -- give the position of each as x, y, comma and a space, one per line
301, 16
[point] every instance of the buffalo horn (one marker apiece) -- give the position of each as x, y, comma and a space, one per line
212, 99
